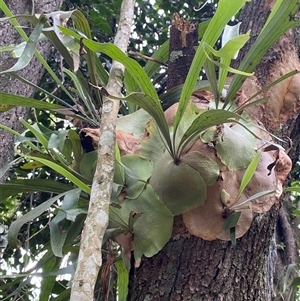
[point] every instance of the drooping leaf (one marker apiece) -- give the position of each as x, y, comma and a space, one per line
96, 69
265, 88
232, 220
153, 229
17, 100
253, 197
16, 186
132, 66
58, 233
63, 171
29, 49
15, 227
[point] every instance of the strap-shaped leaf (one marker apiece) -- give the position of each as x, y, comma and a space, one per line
223, 14
17, 100
203, 122
29, 49
281, 20
123, 279
63, 172
248, 174
132, 66
16, 186
58, 234
15, 227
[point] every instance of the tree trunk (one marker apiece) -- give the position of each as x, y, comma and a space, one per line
33, 72
189, 268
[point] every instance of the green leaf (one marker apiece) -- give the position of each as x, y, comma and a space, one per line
232, 235
161, 55
64, 296
132, 66
281, 21
95, 68
29, 49
76, 145
88, 164
223, 14
210, 72
57, 140
179, 186
153, 229
35, 130
207, 168
291, 189
16, 186
4, 169
154, 109
15, 227
134, 123
173, 95
225, 60
205, 121
19, 29
230, 49
153, 147
248, 174
140, 172
253, 103
47, 283
17, 100
119, 176
236, 146
232, 220
253, 197
58, 168
58, 233
83, 92
267, 87
123, 280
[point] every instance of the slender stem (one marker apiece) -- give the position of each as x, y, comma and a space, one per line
90, 257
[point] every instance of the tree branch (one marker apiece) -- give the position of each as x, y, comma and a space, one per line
90, 257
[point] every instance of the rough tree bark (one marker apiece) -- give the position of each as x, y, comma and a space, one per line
189, 268
33, 72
